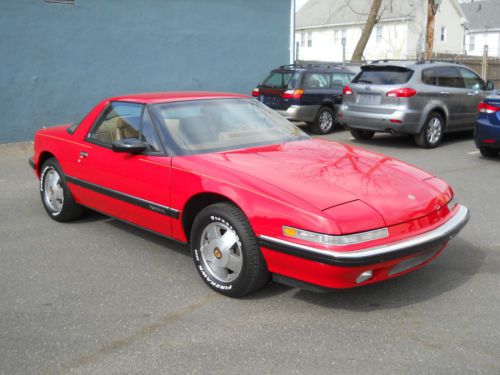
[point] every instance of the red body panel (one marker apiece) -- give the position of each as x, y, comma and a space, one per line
320, 186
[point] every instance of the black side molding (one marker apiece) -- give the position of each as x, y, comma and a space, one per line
158, 208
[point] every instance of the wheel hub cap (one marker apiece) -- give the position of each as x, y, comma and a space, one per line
434, 130
221, 252
325, 121
53, 193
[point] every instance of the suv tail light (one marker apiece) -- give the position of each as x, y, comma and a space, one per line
292, 94
347, 91
255, 92
404, 92
487, 108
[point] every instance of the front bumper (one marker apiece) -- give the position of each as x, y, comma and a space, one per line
338, 269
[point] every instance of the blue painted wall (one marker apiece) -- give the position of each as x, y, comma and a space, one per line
57, 61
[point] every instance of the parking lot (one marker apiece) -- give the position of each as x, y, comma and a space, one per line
98, 296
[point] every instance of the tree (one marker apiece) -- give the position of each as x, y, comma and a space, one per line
432, 7
372, 19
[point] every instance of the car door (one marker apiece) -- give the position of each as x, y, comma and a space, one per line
475, 93
134, 188
453, 94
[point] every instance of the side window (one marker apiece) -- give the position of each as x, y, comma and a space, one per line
317, 81
121, 121
449, 77
340, 79
429, 76
471, 79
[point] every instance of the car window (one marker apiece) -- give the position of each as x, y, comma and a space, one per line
471, 79
201, 126
383, 75
317, 81
277, 79
341, 79
121, 121
448, 76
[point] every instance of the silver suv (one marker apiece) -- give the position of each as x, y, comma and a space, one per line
423, 98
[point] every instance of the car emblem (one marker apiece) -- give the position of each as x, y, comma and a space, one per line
368, 88
412, 197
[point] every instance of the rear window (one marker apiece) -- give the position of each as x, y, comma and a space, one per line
383, 75
280, 80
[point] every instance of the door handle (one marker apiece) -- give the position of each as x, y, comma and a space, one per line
83, 154
445, 93
471, 93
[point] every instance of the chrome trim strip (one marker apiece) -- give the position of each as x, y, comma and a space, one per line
417, 243
158, 208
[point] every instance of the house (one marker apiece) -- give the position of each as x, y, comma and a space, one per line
61, 57
322, 25
483, 27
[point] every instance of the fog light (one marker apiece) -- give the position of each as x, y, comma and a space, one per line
367, 275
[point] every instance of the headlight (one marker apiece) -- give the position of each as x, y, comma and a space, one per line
329, 240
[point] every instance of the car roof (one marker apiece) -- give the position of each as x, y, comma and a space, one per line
314, 67
412, 63
174, 96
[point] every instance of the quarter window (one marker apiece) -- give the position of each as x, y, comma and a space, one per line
317, 81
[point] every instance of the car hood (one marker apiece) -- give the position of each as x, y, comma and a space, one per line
327, 174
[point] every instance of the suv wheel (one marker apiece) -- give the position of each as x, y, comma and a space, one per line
488, 152
362, 134
432, 132
325, 121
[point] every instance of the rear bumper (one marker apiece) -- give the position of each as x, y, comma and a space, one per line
334, 269
305, 113
400, 120
487, 135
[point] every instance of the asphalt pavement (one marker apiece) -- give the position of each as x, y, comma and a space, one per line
98, 296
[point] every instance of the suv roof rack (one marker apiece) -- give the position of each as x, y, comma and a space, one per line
314, 65
440, 60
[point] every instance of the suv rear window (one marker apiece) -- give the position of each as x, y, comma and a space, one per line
280, 80
383, 75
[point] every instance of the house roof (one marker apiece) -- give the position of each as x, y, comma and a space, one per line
328, 12
482, 15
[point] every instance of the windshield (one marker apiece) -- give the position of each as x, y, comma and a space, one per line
201, 126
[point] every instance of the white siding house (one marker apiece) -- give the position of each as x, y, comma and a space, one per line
483, 27
321, 25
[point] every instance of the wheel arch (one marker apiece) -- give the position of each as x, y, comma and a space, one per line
197, 203
438, 109
44, 156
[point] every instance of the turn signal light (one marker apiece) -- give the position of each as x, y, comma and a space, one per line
487, 108
255, 92
292, 94
404, 92
347, 91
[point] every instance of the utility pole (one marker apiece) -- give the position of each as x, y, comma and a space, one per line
432, 7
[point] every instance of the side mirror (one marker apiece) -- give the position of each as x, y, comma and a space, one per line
490, 85
129, 145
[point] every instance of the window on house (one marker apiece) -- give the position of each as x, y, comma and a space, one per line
309, 39
443, 34
343, 37
336, 37
302, 39
472, 42
378, 34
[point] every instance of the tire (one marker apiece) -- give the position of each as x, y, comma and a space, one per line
488, 152
325, 121
56, 197
362, 134
235, 269
432, 132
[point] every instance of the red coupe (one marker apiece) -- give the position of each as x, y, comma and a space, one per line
252, 194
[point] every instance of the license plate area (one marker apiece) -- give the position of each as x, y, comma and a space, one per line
414, 261
372, 99
271, 101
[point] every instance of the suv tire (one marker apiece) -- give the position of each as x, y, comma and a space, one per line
432, 132
362, 134
325, 121
488, 152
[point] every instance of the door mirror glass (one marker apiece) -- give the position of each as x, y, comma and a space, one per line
490, 85
129, 145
